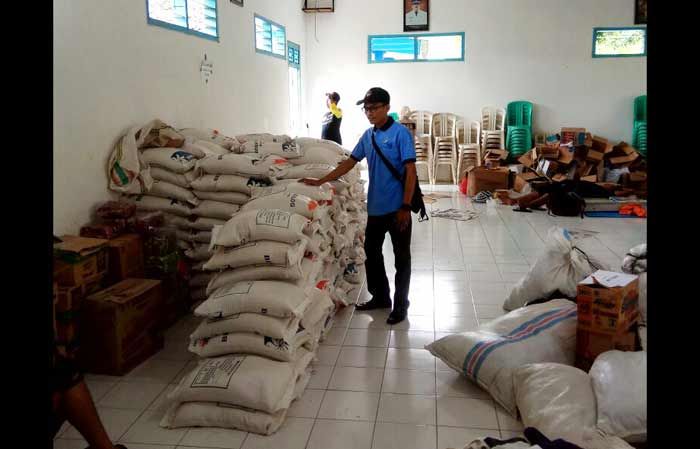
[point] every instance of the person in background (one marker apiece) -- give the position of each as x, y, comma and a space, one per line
388, 202
332, 119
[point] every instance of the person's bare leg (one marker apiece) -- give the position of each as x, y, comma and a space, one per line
79, 409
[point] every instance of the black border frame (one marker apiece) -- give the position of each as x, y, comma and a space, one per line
237, 2
638, 19
413, 28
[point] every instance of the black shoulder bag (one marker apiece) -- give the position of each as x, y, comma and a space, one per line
417, 204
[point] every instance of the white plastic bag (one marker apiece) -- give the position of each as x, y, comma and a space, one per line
254, 273
249, 343
265, 224
620, 386
262, 252
269, 326
635, 262
560, 267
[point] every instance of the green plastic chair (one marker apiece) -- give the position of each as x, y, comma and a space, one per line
519, 119
639, 126
519, 141
519, 113
640, 109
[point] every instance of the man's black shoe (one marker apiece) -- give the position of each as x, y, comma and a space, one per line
373, 304
396, 316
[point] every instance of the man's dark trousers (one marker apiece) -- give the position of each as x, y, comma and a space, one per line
377, 282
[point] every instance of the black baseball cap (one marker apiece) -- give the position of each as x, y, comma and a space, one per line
334, 96
375, 95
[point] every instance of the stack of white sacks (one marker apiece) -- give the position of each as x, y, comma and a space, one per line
272, 260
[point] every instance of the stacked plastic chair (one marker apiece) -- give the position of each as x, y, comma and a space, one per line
519, 131
468, 145
423, 141
445, 142
639, 131
492, 128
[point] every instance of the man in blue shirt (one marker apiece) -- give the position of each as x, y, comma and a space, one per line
388, 202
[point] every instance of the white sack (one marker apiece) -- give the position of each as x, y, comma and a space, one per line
216, 209
165, 189
223, 183
203, 148
200, 280
560, 267
195, 223
265, 224
488, 356
318, 155
309, 142
262, 252
288, 150
323, 193
263, 137
287, 201
199, 252
194, 236
148, 202
211, 135
223, 197
269, 326
160, 174
247, 381
198, 294
274, 298
238, 164
287, 171
173, 159
321, 307
249, 343
254, 273
620, 386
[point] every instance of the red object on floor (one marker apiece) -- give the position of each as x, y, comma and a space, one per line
463, 186
633, 209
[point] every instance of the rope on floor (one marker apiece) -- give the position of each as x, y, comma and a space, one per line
454, 214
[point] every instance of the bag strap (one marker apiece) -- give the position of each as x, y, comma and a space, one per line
388, 164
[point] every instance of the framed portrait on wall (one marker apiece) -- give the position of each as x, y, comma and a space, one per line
640, 12
416, 15
237, 2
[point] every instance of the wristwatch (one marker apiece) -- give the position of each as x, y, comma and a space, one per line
406, 207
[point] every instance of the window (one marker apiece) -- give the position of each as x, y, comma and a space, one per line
416, 48
293, 59
619, 42
270, 38
197, 17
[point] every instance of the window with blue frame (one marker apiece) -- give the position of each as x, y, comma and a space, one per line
293, 54
416, 47
619, 42
270, 37
197, 17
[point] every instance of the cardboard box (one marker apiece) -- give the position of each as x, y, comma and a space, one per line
529, 176
594, 156
607, 301
547, 152
624, 159
601, 144
497, 154
638, 176
559, 177
82, 270
590, 178
484, 179
125, 258
570, 135
590, 344
519, 183
120, 326
527, 159
566, 157
581, 152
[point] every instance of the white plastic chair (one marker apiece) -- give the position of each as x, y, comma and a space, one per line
469, 145
493, 122
423, 142
445, 142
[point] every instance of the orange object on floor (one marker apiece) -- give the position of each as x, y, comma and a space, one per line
633, 209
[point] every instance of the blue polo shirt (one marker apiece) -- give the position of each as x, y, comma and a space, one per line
385, 192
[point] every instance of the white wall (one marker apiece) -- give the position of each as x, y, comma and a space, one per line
112, 71
537, 50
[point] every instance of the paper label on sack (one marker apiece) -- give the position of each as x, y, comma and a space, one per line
609, 279
277, 218
217, 373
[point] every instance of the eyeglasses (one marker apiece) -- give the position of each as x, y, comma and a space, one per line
367, 109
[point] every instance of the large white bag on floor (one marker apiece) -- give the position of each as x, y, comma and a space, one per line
165, 189
153, 203
262, 252
223, 197
322, 194
238, 164
558, 400
635, 261
309, 142
560, 267
161, 174
223, 183
219, 414
288, 150
203, 148
199, 252
249, 343
488, 356
174, 159
215, 209
620, 386
286, 171
274, 298
321, 307
211, 135
318, 155
255, 323
263, 137
196, 223
247, 381
255, 273
266, 224
287, 201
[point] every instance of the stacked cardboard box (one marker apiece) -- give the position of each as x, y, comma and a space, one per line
487, 179
607, 314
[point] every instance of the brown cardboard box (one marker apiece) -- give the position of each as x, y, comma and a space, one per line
594, 156
69, 298
581, 152
480, 179
565, 156
528, 159
601, 145
519, 183
638, 176
590, 344
624, 159
528, 175
546, 152
119, 326
80, 272
497, 154
125, 258
559, 177
607, 302
590, 178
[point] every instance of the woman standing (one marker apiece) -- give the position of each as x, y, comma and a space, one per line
331, 120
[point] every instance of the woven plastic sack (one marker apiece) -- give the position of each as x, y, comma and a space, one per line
266, 224
200, 280
223, 197
194, 236
269, 326
322, 194
224, 183
165, 189
203, 148
195, 223
239, 164
322, 306
211, 135
287, 201
173, 159
126, 171
154, 203
254, 273
309, 142
161, 174
262, 252
286, 171
318, 155
489, 355
215, 209
288, 150
198, 252
254, 344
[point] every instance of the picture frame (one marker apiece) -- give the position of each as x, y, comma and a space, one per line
237, 2
640, 12
416, 15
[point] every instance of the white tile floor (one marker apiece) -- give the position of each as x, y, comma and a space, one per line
374, 386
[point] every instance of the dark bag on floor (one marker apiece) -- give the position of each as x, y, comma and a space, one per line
417, 204
564, 201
